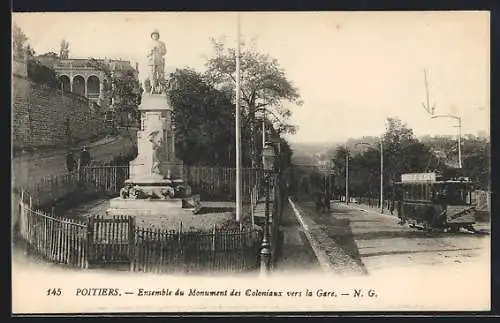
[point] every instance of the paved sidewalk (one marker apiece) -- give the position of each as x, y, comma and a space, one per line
367, 208
384, 245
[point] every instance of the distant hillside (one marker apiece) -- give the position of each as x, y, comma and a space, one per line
309, 153
444, 147
311, 148
317, 151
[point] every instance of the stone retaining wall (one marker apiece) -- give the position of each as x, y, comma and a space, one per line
44, 117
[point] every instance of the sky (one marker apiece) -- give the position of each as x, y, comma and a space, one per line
352, 69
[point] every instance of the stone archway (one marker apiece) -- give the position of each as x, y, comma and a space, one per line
79, 85
93, 86
66, 83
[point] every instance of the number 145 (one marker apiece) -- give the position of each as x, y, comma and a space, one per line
54, 292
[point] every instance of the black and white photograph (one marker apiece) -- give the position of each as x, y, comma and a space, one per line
178, 162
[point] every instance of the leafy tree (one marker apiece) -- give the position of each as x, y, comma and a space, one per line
122, 84
286, 153
37, 72
365, 175
339, 167
19, 40
263, 85
204, 121
205, 124
476, 155
403, 152
364, 170
42, 74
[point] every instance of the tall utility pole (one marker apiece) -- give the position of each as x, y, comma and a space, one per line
346, 175
238, 135
381, 175
428, 107
459, 142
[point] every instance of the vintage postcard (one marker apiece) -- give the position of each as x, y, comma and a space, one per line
177, 162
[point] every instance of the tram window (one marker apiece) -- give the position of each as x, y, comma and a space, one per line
399, 193
460, 195
406, 194
440, 193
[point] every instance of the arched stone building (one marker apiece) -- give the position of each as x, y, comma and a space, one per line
78, 77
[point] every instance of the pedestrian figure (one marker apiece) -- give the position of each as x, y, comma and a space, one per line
326, 202
321, 201
84, 157
318, 200
70, 161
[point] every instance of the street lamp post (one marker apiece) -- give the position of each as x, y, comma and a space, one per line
459, 119
268, 157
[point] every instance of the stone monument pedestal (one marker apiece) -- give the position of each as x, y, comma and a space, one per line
119, 206
155, 186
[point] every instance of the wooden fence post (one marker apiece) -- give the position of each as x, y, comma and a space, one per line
180, 251
90, 240
180, 234
131, 242
214, 254
22, 220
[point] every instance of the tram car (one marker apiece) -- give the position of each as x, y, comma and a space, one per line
430, 202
